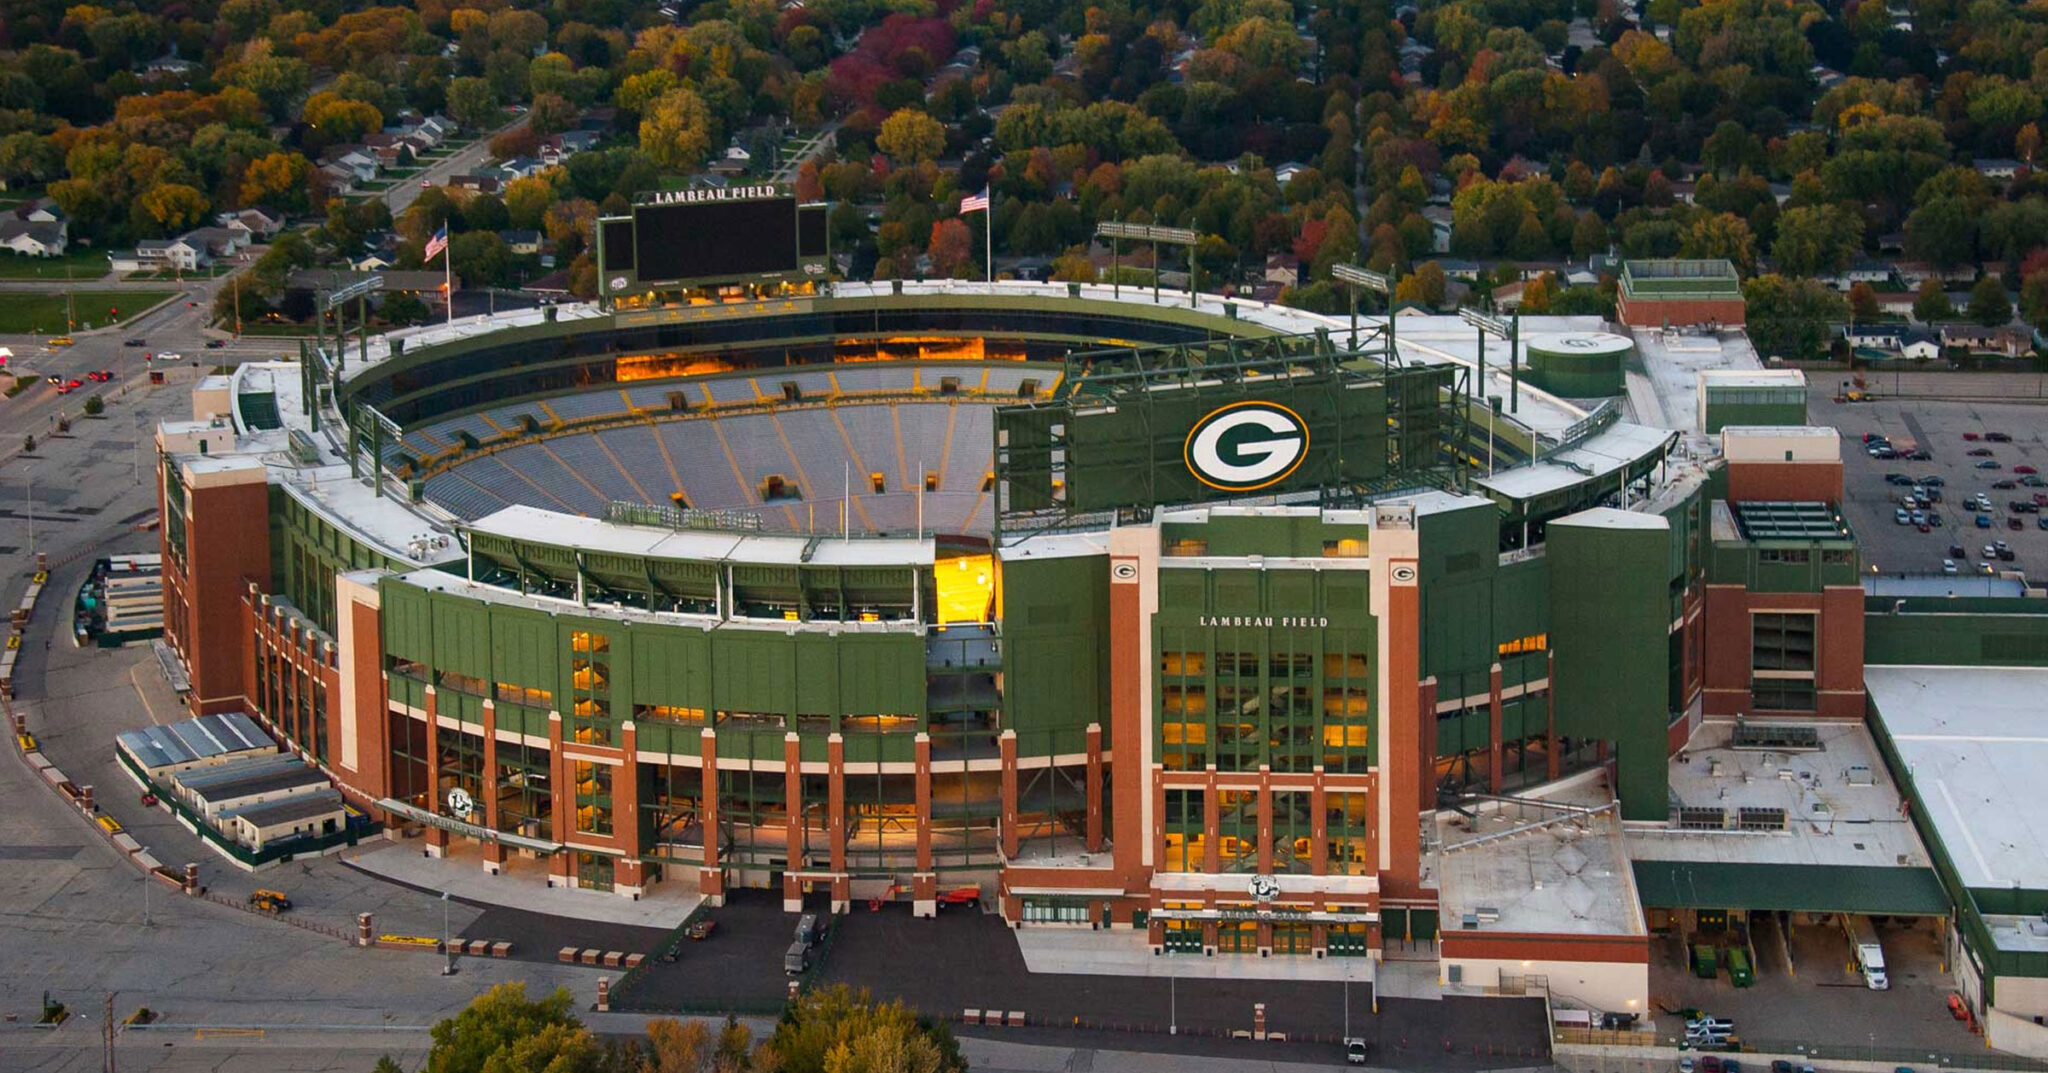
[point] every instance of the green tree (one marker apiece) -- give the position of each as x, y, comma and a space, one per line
489, 1032
480, 258
2034, 298
676, 131
910, 136
94, 405
1989, 303
1817, 239
1863, 301
1791, 318
844, 1031
1931, 303
473, 103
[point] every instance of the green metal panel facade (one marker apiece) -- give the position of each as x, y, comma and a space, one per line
1962, 633
1610, 602
1576, 376
753, 684
1055, 652
306, 552
1785, 408
1797, 888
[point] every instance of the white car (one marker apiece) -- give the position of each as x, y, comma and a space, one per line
1948, 566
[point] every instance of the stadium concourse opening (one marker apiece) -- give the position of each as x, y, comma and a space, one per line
1192, 634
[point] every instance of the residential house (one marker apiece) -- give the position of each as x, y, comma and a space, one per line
371, 261
360, 161
1998, 168
562, 146
1872, 336
2007, 340
1919, 344
1439, 217
1458, 268
522, 243
179, 253
1285, 173
256, 223
1914, 273
481, 182
1508, 296
40, 212
337, 179
170, 65
1283, 269
34, 238
1861, 270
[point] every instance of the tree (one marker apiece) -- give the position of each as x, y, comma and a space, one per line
843, 1031
952, 247
1931, 303
170, 207
94, 405
340, 119
277, 179
910, 136
527, 201
676, 132
677, 1046
1720, 235
480, 258
551, 113
1863, 301
2034, 298
1791, 318
490, 1031
1816, 240
473, 103
1425, 285
1989, 303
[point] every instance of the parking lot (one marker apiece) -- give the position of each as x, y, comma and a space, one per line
1816, 1000
967, 959
1940, 427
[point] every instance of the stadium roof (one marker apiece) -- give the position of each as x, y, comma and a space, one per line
522, 523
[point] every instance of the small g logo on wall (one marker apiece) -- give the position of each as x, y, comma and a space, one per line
1403, 575
1246, 446
460, 804
618, 283
1124, 572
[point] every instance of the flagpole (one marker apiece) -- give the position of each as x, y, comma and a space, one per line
448, 283
988, 222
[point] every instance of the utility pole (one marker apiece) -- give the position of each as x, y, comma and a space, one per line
31, 516
107, 1037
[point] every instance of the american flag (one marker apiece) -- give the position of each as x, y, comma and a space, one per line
436, 244
975, 203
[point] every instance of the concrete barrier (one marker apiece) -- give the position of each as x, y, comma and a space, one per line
567, 955
1015, 1020
970, 1017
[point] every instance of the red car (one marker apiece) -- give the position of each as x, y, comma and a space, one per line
100, 376
2025, 469
1972, 437
69, 386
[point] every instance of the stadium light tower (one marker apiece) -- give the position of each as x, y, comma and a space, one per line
1509, 329
1172, 236
1356, 279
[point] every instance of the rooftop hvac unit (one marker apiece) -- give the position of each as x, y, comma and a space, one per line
1859, 775
1487, 914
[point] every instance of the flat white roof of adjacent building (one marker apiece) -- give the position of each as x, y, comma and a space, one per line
1753, 377
1611, 518
1973, 741
1525, 868
1601, 455
1666, 392
596, 534
1841, 806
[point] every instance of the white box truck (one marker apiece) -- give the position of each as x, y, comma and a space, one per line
1869, 955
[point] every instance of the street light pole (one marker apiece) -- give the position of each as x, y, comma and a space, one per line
447, 968
1172, 1004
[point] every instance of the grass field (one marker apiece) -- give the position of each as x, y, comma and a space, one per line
85, 265
43, 314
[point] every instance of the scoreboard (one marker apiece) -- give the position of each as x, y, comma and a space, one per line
693, 237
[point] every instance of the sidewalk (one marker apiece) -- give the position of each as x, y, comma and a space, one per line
523, 885
1086, 952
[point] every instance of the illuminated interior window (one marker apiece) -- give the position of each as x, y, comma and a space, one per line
966, 585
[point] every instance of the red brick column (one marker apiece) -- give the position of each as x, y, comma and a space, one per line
710, 874
437, 839
1093, 833
1425, 759
1212, 821
1493, 733
1008, 744
1319, 827
924, 882
793, 827
562, 804
1551, 757
494, 852
835, 821
629, 875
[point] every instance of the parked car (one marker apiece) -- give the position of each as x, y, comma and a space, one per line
1981, 452
1987, 463
1983, 521
1972, 437
1998, 437
1955, 551
2025, 469
135, 342
1934, 480
1934, 519
1919, 454
2004, 486
216, 344
1710, 1064
2033, 481
2014, 523
1898, 478
702, 929
1900, 517
1948, 566
1354, 1052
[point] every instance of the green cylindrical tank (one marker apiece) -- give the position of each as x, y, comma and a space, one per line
1578, 365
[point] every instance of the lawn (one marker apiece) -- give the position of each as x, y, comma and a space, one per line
43, 314
84, 265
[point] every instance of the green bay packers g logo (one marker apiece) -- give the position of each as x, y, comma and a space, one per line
1246, 446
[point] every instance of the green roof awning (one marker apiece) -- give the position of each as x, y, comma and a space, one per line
1804, 888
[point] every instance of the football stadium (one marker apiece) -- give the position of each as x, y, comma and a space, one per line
1221, 621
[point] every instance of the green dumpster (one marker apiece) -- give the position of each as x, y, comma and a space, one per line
1704, 963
